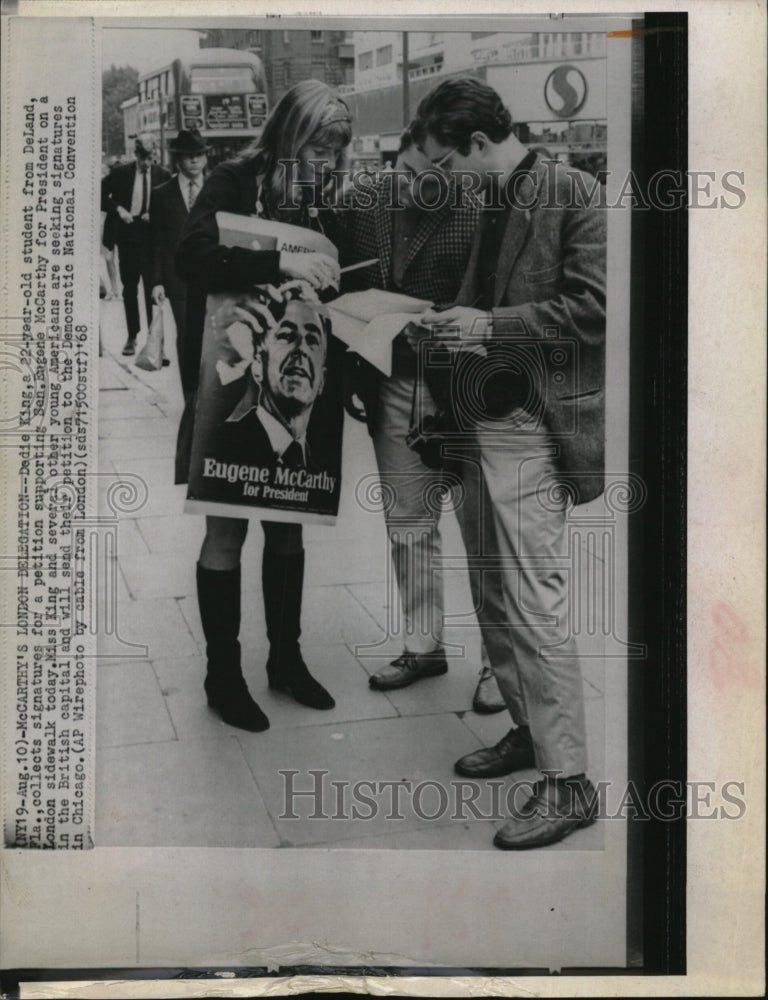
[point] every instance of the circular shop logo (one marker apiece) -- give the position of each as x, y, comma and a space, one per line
565, 91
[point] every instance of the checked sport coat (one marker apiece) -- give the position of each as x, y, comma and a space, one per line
437, 258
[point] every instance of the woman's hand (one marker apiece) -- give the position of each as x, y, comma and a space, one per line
319, 269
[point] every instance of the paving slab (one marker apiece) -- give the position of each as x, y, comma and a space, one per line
152, 500
363, 560
148, 445
156, 472
170, 534
189, 611
191, 794
379, 750
119, 405
110, 376
130, 708
373, 597
593, 671
181, 682
157, 575
456, 835
156, 625
135, 428
129, 541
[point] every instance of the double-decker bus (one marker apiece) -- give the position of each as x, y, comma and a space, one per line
221, 92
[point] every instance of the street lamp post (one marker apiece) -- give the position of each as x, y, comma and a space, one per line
161, 102
406, 94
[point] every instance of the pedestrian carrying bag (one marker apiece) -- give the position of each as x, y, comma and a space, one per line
150, 357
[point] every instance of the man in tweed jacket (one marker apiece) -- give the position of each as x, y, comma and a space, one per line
530, 398
421, 252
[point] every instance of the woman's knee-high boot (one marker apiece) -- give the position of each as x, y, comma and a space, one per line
218, 594
283, 584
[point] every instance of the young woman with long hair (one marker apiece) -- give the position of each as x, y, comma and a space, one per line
280, 177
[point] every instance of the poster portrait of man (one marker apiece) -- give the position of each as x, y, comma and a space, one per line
276, 445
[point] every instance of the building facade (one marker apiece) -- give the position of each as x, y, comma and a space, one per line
554, 84
130, 113
291, 56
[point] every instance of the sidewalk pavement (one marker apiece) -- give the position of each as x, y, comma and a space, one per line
171, 773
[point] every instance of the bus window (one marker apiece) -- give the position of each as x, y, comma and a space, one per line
222, 80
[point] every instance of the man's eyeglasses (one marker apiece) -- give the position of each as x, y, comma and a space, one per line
440, 164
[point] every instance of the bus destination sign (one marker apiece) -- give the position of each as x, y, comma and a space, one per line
192, 111
257, 108
225, 112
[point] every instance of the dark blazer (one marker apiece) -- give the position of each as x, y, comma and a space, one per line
117, 189
550, 291
439, 250
167, 218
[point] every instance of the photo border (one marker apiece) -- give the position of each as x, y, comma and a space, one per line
664, 692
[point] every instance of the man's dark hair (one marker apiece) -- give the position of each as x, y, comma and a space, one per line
458, 107
406, 139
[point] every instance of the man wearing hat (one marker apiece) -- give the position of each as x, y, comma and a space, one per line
171, 203
126, 194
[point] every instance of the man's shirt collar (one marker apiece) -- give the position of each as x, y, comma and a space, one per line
279, 435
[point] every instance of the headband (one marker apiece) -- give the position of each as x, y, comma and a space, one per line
334, 113
338, 118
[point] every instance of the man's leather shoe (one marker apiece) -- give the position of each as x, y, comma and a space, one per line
296, 681
554, 810
488, 698
514, 752
130, 347
408, 668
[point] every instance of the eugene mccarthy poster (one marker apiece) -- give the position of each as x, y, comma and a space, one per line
269, 412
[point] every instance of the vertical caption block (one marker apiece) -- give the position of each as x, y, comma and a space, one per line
48, 358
